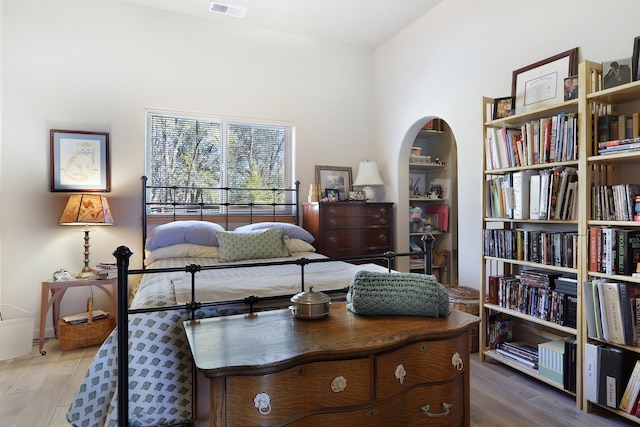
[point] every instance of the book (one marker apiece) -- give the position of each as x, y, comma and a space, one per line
589, 309
534, 197
612, 312
630, 395
442, 213
629, 293
614, 373
521, 193
570, 364
591, 371
603, 309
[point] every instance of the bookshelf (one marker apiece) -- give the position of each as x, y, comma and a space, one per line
432, 190
602, 171
517, 238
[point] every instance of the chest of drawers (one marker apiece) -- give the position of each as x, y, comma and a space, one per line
350, 228
271, 369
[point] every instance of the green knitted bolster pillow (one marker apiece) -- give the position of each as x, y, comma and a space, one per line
408, 294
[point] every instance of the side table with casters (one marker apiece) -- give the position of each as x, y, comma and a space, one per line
52, 293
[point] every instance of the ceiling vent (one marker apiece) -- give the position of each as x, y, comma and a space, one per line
225, 9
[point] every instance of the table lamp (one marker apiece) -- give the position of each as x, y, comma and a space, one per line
85, 210
368, 176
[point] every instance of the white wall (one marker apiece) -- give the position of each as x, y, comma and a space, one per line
443, 64
96, 66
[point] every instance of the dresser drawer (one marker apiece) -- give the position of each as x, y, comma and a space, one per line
420, 363
297, 391
436, 405
357, 221
362, 238
356, 209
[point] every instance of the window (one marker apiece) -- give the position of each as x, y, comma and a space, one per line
191, 151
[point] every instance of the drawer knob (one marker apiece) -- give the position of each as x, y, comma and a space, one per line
456, 361
372, 413
424, 347
383, 221
382, 237
339, 384
333, 210
300, 371
333, 239
445, 406
383, 211
333, 221
400, 373
262, 401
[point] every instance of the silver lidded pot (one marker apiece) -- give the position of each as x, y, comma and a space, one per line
310, 305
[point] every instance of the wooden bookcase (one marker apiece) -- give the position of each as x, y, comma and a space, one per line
508, 228
593, 170
606, 169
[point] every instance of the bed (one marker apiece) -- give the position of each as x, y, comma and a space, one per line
194, 268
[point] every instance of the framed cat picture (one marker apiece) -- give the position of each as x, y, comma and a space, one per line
79, 161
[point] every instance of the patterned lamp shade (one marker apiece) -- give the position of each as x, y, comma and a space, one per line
86, 209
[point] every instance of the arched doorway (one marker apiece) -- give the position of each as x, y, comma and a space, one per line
432, 196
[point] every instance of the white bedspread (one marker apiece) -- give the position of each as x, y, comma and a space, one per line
268, 281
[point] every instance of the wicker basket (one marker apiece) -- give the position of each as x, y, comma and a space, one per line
468, 300
79, 335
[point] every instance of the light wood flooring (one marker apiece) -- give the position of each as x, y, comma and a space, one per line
35, 391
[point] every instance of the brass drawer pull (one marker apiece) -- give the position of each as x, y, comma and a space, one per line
383, 221
400, 373
424, 347
333, 210
333, 239
456, 361
383, 211
372, 413
339, 384
332, 221
300, 371
262, 402
445, 406
382, 237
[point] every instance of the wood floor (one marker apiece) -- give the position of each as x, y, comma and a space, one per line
35, 391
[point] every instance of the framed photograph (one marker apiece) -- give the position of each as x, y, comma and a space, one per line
503, 107
79, 161
571, 88
541, 83
334, 178
616, 73
332, 194
636, 58
357, 195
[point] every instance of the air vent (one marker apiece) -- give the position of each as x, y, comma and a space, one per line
225, 9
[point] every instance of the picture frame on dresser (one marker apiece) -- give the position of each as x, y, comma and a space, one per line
334, 177
79, 161
542, 83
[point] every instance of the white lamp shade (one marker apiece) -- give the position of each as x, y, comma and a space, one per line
368, 176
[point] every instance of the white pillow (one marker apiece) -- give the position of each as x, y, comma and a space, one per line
297, 245
173, 233
181, 250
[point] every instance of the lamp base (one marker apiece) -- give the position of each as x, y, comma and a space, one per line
369, 194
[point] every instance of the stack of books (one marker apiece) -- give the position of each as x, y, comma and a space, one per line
105, 270
521, 353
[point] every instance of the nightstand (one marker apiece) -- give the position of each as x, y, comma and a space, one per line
52, 293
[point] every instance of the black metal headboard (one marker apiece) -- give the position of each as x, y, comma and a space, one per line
163, 203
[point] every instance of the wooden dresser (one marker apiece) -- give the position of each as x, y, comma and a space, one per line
350, 228
270, 369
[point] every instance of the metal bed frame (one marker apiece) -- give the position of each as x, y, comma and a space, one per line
123, 254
